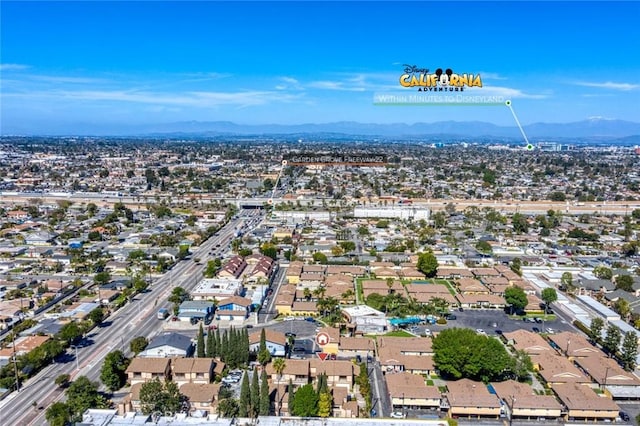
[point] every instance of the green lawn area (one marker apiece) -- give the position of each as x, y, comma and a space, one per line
428, 281
359, 292
399, 333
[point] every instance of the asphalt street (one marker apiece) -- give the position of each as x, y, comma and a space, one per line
135, 319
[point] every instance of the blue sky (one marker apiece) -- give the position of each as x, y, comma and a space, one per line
122, 63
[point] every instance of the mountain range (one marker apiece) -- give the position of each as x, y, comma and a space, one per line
598, 128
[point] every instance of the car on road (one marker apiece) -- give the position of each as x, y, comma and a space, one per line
289, 319
481, 331
499, 332
624, 416
535, 330
397, 415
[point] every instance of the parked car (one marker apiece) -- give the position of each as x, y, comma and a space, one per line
397, 415
535, 330
481, 331
624, 416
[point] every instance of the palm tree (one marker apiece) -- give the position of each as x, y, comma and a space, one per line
279, 365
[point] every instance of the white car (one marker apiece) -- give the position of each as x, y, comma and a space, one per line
289, 318
397, 415
481, 331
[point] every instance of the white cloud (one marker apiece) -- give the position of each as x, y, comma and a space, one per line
609, 85
189, 99
491, 76
13, 67
62, 79
348, 86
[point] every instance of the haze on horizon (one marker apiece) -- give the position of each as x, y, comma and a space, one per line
123, 64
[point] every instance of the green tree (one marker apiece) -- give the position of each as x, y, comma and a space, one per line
178, 295
629, 351
112, 373
265, 400
603, 272
484, 247
269, 250
320, 258
228, 408
520, 223
200, 349
96, 316
516, 265
279, 364
63, 380
102, 278
325, 404
522, 365
612, 340
428, 264
70, 332
305, 402
549, 295
83, 394
557, 196
263, 353
255, 394
244, 405
595, 329
211, 269
461, 353
516, 298
138, 344
58, 414
566, 282
624, 282
211, 343
161, 396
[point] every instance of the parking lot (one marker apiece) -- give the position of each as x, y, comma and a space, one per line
491, 320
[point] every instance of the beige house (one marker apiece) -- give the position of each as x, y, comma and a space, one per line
193, 370
523, 403
558, 370
408, 390
470, 399
574, 345
584, 404
142, 370
202, 397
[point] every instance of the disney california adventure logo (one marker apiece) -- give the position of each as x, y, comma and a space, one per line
438, 81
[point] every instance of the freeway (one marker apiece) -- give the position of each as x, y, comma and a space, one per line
137, 318
139, 201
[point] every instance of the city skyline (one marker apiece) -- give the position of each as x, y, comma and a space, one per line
118, 64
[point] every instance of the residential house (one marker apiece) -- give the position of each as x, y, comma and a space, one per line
524, 403
168, 345
573, 345
195, 310
408, 390
233, 308
142, 370
583, 404
192, 370
558, 370
472, 400
608, 375
276, 342
202, 397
